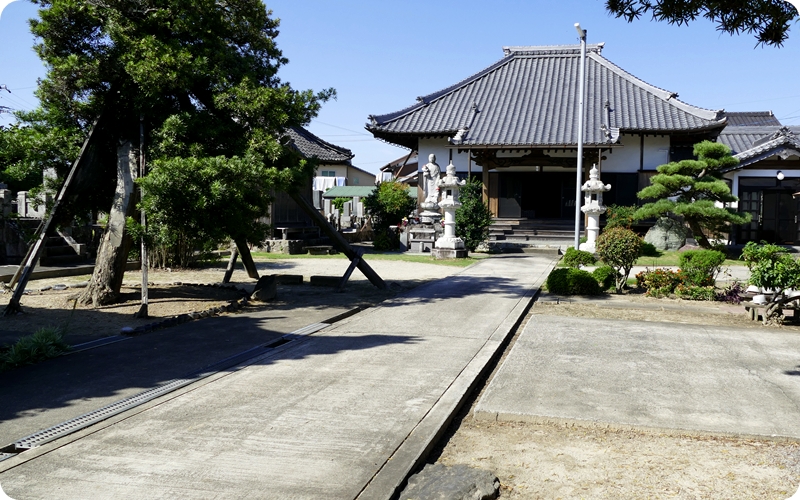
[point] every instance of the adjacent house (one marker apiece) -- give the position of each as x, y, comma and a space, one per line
767, 176
335, 169
404, 169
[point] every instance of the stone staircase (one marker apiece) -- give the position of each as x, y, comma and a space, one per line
60, 249
508, 234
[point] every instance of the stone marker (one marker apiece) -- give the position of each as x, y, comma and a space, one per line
459, 482
667, 234
266, 289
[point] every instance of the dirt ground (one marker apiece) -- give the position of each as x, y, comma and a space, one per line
531, 460
184, 291
550, 461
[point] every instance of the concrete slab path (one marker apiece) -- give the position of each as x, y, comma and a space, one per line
342, 414
628, 374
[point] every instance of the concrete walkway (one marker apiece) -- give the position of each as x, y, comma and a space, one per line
342, 414
627, 374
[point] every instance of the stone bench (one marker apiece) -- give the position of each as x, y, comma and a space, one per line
320, 250
288, 233
754, 310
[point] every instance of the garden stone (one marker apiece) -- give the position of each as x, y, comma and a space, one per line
266, 289
667, 234
459, 482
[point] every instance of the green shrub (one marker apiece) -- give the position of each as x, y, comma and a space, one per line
606, 276
619, 248
619, 216
650, 250
385, 239
570, 281
577, 258
694, 292
700, 267
473, 217
771, 266
658, 282
387, 205
45, 343
338, 203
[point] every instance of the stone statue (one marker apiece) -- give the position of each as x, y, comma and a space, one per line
430, 176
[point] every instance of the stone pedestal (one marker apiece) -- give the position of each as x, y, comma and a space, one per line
421, 238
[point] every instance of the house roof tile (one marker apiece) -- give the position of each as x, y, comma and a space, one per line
311, 146
530, 98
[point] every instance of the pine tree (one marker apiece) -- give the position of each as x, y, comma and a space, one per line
201, 76
693, 189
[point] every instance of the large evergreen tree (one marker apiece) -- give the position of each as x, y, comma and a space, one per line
201, 76
692, 189
768, 19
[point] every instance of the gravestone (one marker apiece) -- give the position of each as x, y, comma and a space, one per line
5, 201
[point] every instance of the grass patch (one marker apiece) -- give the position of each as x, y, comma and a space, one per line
424, 259
671, 258
45, 343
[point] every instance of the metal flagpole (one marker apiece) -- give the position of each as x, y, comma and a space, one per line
581, 112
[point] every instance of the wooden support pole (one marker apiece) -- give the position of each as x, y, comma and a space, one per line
247, 258
26, 267
145, 266
338, 240
349, 272
231, 264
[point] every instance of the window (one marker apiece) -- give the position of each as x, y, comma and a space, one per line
328, 173
355, 181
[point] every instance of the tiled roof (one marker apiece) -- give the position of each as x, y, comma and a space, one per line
530, 97
751, 119
784, 142
311, 146
741, 139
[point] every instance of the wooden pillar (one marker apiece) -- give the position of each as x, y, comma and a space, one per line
485, 184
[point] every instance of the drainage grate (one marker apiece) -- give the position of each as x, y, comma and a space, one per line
91, 418
278, 343
96, 343
308, 330
78, 423
6, 456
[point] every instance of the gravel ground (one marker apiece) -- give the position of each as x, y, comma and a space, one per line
549, 461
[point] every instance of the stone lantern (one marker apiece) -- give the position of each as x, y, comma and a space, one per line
449, 246
593, 207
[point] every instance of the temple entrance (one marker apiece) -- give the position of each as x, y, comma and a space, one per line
536, 195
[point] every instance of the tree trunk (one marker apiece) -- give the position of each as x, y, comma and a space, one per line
697, 232
112, 255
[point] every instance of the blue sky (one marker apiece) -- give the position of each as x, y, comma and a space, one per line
380, 56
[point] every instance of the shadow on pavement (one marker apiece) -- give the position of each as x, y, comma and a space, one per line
39, 396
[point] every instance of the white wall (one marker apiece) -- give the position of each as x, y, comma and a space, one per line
626, 158
622, 159
441, 148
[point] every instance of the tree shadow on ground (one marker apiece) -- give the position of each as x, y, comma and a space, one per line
39, 396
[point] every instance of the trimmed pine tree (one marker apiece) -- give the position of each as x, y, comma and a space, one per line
692, 189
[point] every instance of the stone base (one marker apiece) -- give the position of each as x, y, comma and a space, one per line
587, 247
430, 217
449, 253
450, 243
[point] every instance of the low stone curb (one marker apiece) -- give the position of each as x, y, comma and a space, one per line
233, 306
